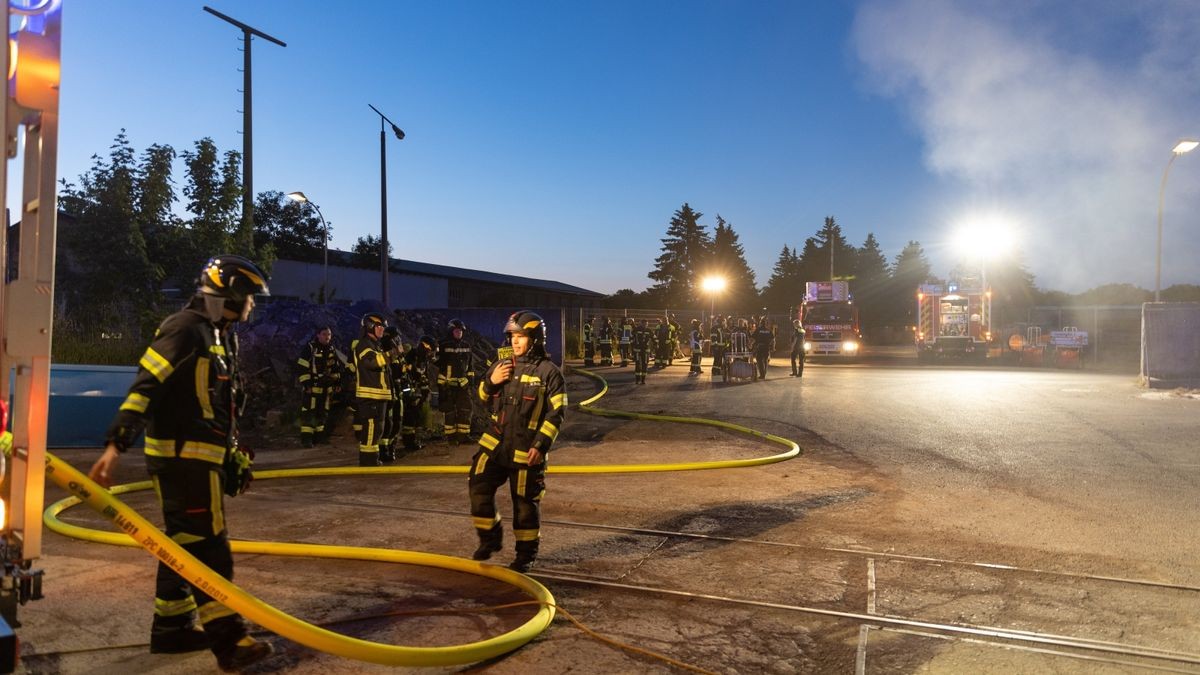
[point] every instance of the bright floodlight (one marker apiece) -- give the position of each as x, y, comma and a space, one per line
713, 284
297, 196
985, 241
1186, 145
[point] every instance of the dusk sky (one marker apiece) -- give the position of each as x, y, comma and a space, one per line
556, 139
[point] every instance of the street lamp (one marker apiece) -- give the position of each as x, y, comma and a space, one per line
383, 242
1185, 145
712, 285
300, 197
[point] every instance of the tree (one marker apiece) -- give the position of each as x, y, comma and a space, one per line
1181, 293
168, 245
104, 274
728, 260
213, 195
785, 288
872, 282
684, 250
367, 249
910, 269
290, 228
830, 241
1114, 294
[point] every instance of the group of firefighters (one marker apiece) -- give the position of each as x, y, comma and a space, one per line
189, 393
636, 340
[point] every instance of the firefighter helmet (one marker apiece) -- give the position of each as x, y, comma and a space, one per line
428, 344
232, 277
529, 324
372, 319
457, 323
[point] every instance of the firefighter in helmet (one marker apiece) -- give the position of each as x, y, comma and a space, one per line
527, 399
696, 344
320, 375
589, 341
456, 367
416, 388
643, 344
187, 397
797, 348
373, 390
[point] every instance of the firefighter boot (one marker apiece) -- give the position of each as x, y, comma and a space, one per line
306, 439
526, 554
177, 639
246, 652
387, 454
368, 458
411, 442
490, 541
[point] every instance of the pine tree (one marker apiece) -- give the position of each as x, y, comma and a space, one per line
910, 269
830, 241
785, 289
212, 197
685, 248
728, 260
871, 282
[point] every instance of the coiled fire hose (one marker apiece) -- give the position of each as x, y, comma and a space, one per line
137, 531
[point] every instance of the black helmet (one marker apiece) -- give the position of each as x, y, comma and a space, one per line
530, 324
695, 323
428, 343
372, 319
457, 323
232, 277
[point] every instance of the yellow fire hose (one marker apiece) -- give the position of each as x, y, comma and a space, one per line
137, 531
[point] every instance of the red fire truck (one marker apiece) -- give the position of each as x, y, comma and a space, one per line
953, 321
830, 320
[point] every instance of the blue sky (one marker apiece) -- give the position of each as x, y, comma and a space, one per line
555, 139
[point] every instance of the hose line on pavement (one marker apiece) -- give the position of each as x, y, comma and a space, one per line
137, 531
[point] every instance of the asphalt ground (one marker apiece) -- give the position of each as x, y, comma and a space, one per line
775, 557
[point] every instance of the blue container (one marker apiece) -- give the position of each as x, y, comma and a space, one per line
83, 401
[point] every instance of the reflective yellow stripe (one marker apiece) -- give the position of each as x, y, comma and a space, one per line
174, 607
211, 611
376, 393
159, 367
215, 502
203, 451
303, 363
483, 458
521, 457
135, 402
558, 400
521, 479
183, 538
485, 523
305, 377
537, 408
160, 447
530, 379
217, 349
549, 429
489, 441
525, 535
202, 366
482, 393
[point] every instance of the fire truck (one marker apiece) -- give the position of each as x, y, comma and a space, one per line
953, 322
30, 118
830, 320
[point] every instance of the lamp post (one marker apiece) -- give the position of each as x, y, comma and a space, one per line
383, 241
300, 197
712, 285
1183, 146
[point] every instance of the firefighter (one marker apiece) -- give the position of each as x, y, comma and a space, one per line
626, 339
606, 342
642, 344
415, 392
696, 343
719, 337
392, 345
764, 344
187, 396
527, 400
320, 374
589, 343
673, 331
456, 367
662, 341
797, 348
373, 391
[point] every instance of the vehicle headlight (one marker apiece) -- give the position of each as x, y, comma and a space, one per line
808, 346
849, 346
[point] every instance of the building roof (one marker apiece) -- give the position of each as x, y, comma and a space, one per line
432, 270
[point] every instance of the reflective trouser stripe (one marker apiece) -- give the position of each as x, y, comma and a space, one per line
174, 607
485, 523
525, 535
211, 611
